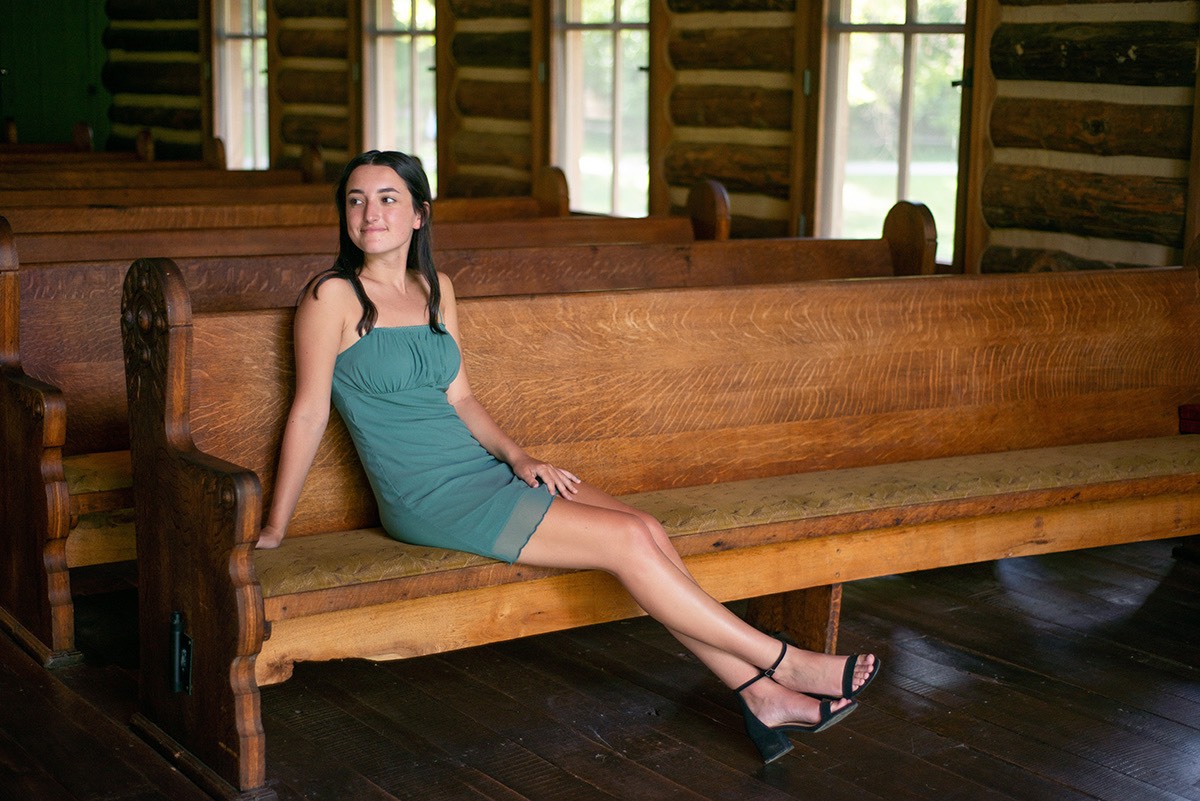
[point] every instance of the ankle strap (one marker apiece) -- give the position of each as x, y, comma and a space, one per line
769, 672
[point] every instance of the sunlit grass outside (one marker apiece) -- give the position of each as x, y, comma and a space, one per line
869, 191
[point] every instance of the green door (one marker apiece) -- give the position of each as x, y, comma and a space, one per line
51, 55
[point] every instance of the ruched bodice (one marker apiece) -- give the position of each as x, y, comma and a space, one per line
433, 481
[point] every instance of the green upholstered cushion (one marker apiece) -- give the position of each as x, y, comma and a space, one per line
327, 561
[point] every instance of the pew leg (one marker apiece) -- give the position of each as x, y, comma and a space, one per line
809, 616
1188, 550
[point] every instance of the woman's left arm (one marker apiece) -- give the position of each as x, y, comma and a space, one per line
484, 428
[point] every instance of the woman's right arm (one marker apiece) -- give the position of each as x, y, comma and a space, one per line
319, 330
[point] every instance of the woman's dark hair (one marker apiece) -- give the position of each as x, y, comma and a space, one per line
350, 259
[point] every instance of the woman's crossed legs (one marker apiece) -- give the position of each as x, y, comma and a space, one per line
593, 530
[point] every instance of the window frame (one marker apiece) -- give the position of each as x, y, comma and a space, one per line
561, 98
372, 33
831, 163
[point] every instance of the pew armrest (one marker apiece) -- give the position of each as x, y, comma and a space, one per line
197, 521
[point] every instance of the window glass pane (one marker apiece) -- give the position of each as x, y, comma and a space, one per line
426, 14
393, 15
872, 132
942, 11
596, 11
596, 135
862, 12
934, 179
635, 11
633, 179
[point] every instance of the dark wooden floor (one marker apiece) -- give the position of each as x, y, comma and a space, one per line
1044, 679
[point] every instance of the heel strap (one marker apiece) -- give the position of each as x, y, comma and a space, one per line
769, 672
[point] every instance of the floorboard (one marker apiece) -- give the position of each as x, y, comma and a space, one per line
1063, 677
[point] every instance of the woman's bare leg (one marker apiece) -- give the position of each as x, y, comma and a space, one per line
596, 531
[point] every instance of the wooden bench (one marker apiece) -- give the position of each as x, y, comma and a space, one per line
248, 239
790, 437
123, 209
70, 485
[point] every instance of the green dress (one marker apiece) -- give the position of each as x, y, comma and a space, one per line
434, 483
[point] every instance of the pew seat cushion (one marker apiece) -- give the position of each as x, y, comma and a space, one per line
101, 538
741, 513
97, 472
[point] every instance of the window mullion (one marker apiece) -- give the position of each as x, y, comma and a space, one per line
904, 143
616, 117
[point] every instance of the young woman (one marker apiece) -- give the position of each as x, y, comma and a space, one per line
377, 335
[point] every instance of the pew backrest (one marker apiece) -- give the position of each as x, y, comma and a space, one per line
794, 377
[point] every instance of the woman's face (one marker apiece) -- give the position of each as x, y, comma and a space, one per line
380, 218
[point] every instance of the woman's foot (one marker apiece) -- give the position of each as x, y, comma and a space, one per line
826, 675
775, 706
772, 711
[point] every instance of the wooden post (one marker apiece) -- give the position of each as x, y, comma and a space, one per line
807, 617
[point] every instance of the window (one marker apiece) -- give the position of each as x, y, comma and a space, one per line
401, 100
891, 130
601, 56
240, 67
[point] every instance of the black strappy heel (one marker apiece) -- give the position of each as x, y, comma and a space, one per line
772, 741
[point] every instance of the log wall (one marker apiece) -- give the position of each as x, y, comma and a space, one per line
1089, 111
314, 80
486, 89
729, 90
155, 75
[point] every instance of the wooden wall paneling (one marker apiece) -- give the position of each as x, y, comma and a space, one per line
971, 232
663, 86
807, 112
448, 120
1192, 214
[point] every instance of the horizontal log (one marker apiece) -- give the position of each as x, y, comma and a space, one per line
688, 6
156, 40
1133, 208
503, 150
490, 9
187, 119
768, 49
311, 8
140, 10
1033, 260
1124, 53
313, 43
310, 129
500, 50
741, 168
497, 99
152, 78
731, 107
1089, 126
313, 86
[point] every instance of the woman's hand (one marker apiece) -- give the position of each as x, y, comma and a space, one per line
558, 481
269, 537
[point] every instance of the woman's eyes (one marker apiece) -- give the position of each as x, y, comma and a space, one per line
358, 201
